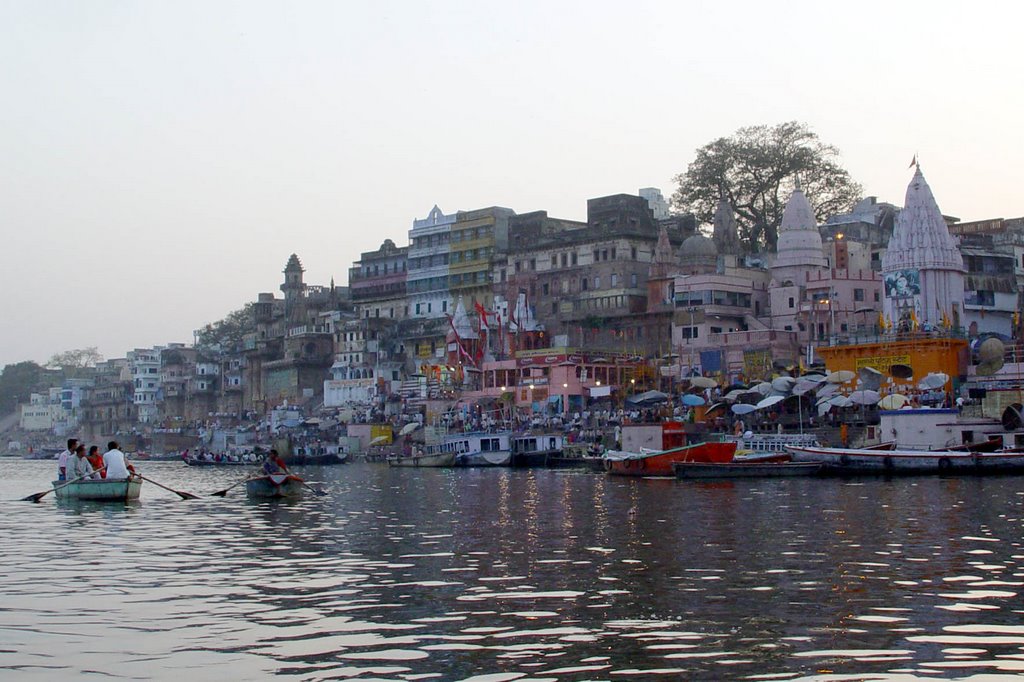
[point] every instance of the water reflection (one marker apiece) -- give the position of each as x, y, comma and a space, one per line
444, 574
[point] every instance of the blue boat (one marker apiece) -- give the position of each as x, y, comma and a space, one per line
274, 485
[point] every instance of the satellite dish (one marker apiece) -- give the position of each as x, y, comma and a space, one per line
1012, 418
901, 371
990, 357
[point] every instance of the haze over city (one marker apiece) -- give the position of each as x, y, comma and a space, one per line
162, 160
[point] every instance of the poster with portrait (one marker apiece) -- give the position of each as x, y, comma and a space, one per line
902, 283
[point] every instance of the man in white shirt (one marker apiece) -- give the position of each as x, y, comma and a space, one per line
114, 462
79, 466
63, 459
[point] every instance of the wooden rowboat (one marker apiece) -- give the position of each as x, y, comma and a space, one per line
659, 463
104, 490
274, 485
854, 461
690, 470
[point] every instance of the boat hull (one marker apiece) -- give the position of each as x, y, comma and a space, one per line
494, 458
102, 490
705, 470
531, 459
888, 462
209, 463
268, 487
317, 460
446, 459
660, 463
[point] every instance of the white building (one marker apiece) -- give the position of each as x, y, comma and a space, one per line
427, 270
43, 411
656, 200
144, 364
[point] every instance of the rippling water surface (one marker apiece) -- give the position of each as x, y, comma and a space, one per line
504, 575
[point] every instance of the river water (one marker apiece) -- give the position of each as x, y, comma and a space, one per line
403, 574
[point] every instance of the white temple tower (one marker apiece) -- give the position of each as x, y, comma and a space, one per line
922, 269
799, 249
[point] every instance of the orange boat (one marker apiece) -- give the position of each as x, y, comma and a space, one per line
659, 462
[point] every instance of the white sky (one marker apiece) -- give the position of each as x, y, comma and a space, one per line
161, 160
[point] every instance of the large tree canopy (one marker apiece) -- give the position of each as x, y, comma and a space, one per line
17, 381
73, 361
227, 334
755, 169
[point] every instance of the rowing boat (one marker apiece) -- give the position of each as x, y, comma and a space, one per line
274, 485
104, 490
659, 463
898, 461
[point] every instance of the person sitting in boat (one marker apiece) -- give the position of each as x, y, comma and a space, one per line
96, 461
64, 459
273, 464
114, 461
79, 466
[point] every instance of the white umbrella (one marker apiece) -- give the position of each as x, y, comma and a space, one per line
378, 440
933, 380
703, 382
408, 428
733, 395
816, 378
840, 376
840, 401
743, 408
769, 401
763, 388
865, 397
870, 378
893, 401
823, 408
783, 384
826, 390
803, 386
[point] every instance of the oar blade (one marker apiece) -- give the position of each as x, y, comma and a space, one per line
35, 497
187, 496
220, 493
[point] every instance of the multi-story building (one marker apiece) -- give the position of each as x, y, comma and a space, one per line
108, 407
427, 272
145, 368
993, 253
477, 239
377, 282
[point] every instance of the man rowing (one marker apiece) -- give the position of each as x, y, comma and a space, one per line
64, 458
114, 461
79, 466
274, 464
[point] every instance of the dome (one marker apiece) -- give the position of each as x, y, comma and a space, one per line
698, 245
799, 245
698, 254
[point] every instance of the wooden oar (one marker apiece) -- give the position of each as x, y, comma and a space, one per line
222, 493
35, 497
318, 492
184, 496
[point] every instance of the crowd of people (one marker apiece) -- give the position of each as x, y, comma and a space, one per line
80, 463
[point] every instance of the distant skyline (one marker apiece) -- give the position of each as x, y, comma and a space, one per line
163, 159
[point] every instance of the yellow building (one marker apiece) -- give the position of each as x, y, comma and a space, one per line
475, 238
922, 355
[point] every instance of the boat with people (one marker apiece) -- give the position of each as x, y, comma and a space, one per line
578, 456
659, 462
535, 449
100, 490
903, 461
274, 485
210, 460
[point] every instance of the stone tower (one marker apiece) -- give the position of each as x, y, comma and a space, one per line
726, 230
293, 285
922, 269
799, 249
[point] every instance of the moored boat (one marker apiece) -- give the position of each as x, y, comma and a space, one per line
223, 462
105, 490
691, 470
897, 461
535, 449
423, 459
481, 449
659, 462
274, 485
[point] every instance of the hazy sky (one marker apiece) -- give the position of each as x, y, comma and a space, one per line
161, 160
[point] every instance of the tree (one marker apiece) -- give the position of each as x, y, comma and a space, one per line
756, 169
17, 381
227, 334
72, 362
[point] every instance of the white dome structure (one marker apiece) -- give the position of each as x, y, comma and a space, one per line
698, 255
799, 249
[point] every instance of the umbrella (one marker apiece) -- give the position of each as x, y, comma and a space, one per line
717, 407
703, 382
693, 400
768, 402
826, 390
783, 384
408, 428
840, 376
816, 378
901, 371
865, 397
893, 401
840, 401
803, 386
763, 388
743, 408
870, 378
823, 408
933, 380
647, 398
378, 440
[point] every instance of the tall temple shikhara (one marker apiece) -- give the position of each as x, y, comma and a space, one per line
922, 269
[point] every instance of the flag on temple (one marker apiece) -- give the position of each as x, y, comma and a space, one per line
913, 319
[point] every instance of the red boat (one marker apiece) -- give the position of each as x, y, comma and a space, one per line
659, 463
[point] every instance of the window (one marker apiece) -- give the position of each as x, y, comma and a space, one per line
604, 254
583, 284
790, 301
565, 259
597, 282
544, 289
615, 280
533, 263
573, 258
613, 253
632, 253
858, 294
876, 297
554, 260
597, 255
554, 307
632, 279
444, 307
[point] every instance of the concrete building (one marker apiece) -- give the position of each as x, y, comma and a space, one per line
477, 238
144, 364
656, 202
427, 273
377, 282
